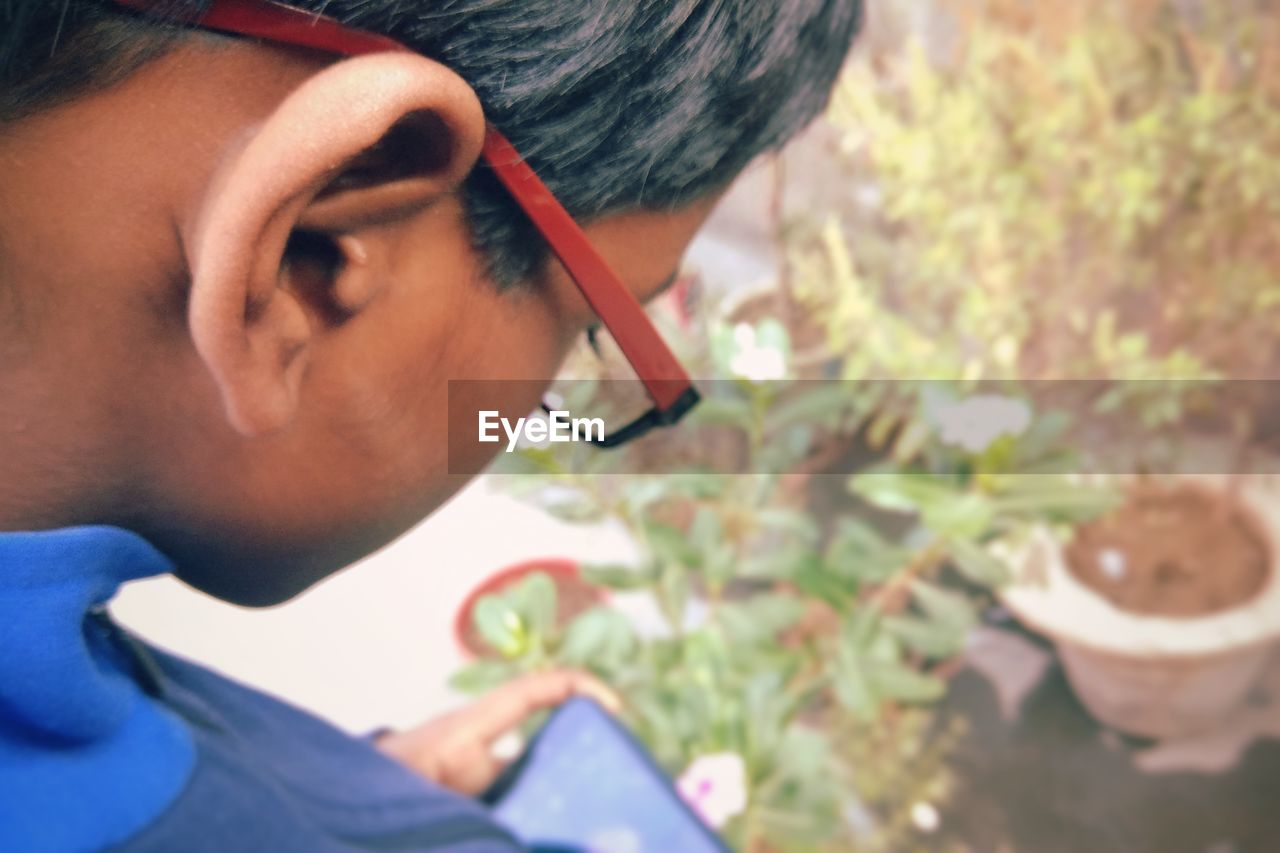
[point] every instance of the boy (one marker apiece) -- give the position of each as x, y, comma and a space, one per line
236, 275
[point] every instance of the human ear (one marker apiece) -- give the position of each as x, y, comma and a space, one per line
366, 141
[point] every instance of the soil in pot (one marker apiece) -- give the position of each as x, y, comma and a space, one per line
574, 596
1179, 551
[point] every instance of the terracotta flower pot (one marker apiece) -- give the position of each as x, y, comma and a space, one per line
574, 596
1155, 676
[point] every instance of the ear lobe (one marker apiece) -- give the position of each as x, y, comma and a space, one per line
364, 141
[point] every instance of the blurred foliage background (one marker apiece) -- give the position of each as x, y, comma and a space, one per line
1015, 191
1057, 190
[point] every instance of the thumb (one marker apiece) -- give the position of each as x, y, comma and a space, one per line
511, 704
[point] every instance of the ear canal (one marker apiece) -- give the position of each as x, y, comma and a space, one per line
352, 293
251, 339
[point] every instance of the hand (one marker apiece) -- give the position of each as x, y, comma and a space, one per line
456, 750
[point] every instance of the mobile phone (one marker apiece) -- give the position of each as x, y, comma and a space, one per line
586, 784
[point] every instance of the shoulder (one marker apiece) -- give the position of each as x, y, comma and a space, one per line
272, 776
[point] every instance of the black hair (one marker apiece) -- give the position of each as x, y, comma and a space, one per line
618, 104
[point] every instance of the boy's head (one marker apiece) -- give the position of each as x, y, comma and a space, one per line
235, 278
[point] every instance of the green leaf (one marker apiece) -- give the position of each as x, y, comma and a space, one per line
771, 334
900, 682
944, 606
706, 486
705, 532
724, 412
765, 711
1054, 498
854, 534
639, 493
858, 552
669, 545
600, 637
882, 646
722, 346
977, 563
720, 564
1046, 432
1000, 455
760, 618
779, 563
853, 689
814, 579
535, 599
804, 753
826, 405
931, 639
619, 577
482, 676
706, 648
792, 521
966, 516
911, 440
673, 593
881, 428
860, 629
903, 492
500, 626
792, 447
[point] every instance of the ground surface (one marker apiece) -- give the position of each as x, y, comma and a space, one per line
1053, 780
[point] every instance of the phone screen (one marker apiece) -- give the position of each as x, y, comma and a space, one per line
586, 784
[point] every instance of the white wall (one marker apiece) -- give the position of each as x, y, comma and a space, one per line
372, 646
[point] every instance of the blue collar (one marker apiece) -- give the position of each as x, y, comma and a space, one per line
86, 757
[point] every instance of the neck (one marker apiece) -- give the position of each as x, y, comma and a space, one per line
55, 470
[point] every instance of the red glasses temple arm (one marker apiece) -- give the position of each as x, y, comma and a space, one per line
611, 300
276, 22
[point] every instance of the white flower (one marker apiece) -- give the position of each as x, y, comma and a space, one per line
716, 787
755, 359
925, 817
975, 423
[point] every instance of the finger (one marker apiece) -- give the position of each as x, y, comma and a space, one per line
475, 775
509, 705
585, 684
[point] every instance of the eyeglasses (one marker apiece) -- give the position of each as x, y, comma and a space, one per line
666, 382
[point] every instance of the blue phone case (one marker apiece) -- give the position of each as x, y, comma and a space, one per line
585, 783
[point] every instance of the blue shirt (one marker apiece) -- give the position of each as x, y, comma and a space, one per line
107, 743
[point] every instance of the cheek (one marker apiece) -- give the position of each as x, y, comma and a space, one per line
367, 457
389, 409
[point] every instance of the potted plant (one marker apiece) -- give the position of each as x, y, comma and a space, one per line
1165, 612
546, 593
804, 651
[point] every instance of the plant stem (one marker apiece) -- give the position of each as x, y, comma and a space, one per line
924, 562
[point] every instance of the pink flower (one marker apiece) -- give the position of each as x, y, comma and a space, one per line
716, 787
